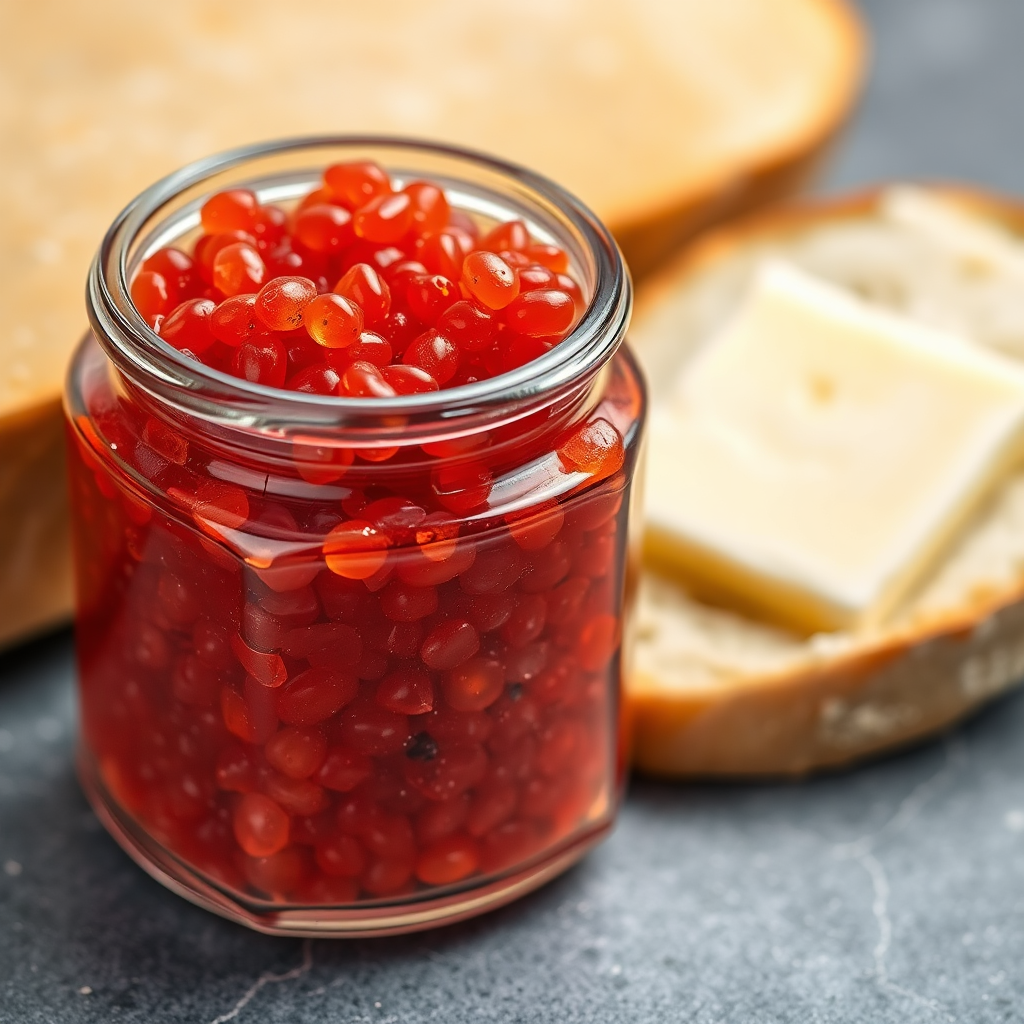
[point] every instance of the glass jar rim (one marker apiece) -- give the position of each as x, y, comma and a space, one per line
192, 388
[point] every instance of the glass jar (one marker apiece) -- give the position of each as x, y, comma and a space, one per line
256, 567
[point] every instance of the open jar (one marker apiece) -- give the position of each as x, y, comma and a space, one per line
317, 736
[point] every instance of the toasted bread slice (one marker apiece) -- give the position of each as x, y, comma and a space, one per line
715, 692
662, 116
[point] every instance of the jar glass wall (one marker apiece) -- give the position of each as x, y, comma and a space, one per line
310, 732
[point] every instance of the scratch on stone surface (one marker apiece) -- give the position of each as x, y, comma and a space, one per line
862, 851
880, 908
910, 806
269, 978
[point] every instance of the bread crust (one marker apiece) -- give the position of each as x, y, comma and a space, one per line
35, 546
874, 697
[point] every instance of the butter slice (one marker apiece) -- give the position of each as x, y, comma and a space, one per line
817, 455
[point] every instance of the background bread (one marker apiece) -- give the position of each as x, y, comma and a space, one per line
663, 116
715, 693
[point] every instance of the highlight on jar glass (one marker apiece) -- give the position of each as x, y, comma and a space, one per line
351, 449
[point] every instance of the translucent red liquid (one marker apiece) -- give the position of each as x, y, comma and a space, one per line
377, 686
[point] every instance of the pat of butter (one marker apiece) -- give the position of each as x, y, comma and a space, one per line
819, 453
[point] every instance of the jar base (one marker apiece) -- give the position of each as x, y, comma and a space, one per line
365, 920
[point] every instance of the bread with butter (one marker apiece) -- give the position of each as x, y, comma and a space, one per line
716, 692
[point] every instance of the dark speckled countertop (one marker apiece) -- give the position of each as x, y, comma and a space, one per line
892, 894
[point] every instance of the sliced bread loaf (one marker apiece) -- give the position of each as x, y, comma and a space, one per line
716, 692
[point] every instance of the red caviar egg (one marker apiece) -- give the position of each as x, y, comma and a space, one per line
384, 219
463, 223
261, 361
150, 294
165, 440
429, 295
468, 326
534, 276
324, 229
260, 825
541, 313
442, 253
595, 448
370, 347
570, 286
343, 770
178, 270
438, 820
238, 268
357, 182
341, 856
520, 349
333, 321
236, 769
283, 261
435, 354
188, 326
251, 720
355, 549
550, 256
281, 302
296, 752
448, 860
493, 804
489, 279
449, 644
364, 380
208, 246
474, 685
235, 321
315, 695
277, 875
401, 602
381, 257
514, 259
406, 692
409, 380
318, 197
511, 235
462, 487
430, 210
365, 287
270, 225
402, 328
598, 641
386, 877
373, 731
232, 210
399, 273
319, 379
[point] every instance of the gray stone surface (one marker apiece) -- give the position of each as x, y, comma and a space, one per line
945, 96
892, 894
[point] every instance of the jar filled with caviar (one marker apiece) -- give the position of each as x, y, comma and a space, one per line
351, 450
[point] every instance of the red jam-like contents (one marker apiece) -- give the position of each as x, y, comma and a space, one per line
348, 674
360, 273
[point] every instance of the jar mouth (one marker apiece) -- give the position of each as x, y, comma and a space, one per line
287, 168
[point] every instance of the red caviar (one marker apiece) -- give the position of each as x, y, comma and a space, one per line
319, 669
457, 307
333, 321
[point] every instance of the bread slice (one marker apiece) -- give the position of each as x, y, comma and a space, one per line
717, 693
661, 115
